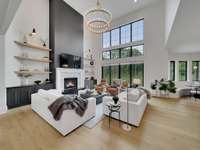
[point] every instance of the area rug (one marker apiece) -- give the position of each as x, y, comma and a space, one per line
99, 116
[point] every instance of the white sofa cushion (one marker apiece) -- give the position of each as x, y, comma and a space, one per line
134, 95
50, 95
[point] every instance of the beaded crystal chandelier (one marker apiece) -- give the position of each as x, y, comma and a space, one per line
98, 19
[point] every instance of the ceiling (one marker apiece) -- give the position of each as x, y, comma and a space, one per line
118, 8
8, 9
185, 33
3, 10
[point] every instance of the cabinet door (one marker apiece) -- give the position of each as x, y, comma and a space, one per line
19, 96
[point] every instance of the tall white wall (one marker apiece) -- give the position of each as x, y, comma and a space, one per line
30, 14
155, 55
3, 107
171, 8
92, 42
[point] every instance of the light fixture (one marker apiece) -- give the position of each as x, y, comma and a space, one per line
98, 19
135, 1
33, 32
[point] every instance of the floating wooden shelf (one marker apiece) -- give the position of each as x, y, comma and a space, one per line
32, 46
33, 59
31, 72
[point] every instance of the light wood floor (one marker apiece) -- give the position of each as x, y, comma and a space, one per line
167, 125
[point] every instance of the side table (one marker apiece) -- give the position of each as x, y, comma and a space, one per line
113, 108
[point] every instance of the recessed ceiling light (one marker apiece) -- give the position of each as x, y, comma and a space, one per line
135, 1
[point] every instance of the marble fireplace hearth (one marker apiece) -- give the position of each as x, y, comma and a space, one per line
63, 75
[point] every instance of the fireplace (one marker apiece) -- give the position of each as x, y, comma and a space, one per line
70, 85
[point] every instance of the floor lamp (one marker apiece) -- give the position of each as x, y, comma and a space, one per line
126, 126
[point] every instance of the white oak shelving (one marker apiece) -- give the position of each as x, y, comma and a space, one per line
33, 59
36, 47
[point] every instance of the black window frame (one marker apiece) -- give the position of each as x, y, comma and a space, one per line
198, 70
119, 73
186, 70
173, 73
119, 27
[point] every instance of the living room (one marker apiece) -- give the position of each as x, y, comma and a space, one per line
100, 74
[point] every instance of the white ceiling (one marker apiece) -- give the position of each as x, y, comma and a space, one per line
118, 8
8, 9
3, 10
185, 33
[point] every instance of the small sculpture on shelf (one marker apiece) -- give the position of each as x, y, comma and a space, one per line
44, 42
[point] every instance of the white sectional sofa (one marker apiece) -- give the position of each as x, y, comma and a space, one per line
136, 109
69, 120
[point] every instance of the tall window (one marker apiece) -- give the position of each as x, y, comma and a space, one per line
138, 72
106, 55
106, 39
125, 72
106, 73
138, 31
115, 54
138, 50
182, 70
172, 70
126, 34
126, 52
115, 37
114, 72
195, 71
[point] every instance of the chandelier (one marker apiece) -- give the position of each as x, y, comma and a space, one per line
98, 19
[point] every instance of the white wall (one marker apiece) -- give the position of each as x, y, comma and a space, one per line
91, 41
30, 14
155, 55
3, 107
171, 8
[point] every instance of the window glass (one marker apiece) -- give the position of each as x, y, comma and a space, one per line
106, 73
126, 52
125, 72
138, 72
125, 34
138, 50
106, 55
195, 70
106, 39
115, 54
172, 70
182, 70
138, 31
114, 73
115, 37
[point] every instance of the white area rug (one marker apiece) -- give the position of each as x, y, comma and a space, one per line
99, 116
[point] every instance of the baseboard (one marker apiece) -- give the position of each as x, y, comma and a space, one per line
3, 109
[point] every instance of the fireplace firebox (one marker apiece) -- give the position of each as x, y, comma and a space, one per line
70, 86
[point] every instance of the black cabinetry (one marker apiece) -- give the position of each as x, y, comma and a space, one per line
20, 96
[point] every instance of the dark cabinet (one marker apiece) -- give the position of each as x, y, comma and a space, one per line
20, 96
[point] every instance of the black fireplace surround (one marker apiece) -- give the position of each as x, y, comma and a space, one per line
70, 86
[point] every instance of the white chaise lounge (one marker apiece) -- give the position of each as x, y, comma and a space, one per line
69, 120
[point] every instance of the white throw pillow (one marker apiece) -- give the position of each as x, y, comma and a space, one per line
133, 95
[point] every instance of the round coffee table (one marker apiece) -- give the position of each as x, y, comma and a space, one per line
113, 108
